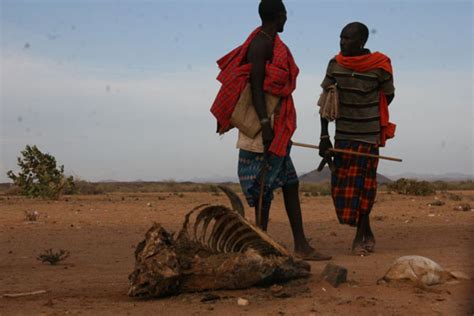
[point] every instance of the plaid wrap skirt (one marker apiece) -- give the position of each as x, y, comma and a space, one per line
280, 172
354, 183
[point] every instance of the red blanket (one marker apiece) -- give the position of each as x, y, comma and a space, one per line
280, 80
366, 63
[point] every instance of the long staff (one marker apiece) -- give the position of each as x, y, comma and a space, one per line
343, 151
263, 174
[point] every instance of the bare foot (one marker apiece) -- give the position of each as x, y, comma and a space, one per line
358, 249
369, 244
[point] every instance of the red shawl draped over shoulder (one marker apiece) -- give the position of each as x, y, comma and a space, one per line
280, 80
369, 62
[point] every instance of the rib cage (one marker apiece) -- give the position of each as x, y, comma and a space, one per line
219, 229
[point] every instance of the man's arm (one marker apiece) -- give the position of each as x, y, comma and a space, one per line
390, 98
259, 52
387, 86
325, 140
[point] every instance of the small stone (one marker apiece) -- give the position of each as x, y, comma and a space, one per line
49, 303
242, 302
210, 298
334, 274
276, 288
465, 207
281, 294
148, 204
436, 203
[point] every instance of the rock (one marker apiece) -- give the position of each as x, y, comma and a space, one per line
419, 270
242, 302
279, 291
334, 274
148, 204
436, 203
49, 303
210, 297
276, 288
465, 207
282, 294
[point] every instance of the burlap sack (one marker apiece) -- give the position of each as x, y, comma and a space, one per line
245, 117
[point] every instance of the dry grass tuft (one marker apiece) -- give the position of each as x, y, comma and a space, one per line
53, 257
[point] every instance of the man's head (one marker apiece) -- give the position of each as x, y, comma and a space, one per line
353, 38
273, 12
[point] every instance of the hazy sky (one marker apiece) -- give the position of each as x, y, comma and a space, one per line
122, 89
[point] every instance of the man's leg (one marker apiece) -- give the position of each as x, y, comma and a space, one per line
369, 238
293, 210
363, 228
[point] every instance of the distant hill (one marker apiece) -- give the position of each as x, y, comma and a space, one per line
324, 176
432, 177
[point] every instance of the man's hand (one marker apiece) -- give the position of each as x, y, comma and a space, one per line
267, 135
324, 145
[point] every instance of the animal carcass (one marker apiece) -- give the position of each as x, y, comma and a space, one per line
217, 248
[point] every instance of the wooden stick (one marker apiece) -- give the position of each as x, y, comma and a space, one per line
343, 151
13, 295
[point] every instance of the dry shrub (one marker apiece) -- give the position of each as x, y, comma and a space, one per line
316, 189
412, 187
13, 190
84, 187
53, 257
88, 188
454, 197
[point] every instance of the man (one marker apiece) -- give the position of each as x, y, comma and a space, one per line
365, 88
266, 63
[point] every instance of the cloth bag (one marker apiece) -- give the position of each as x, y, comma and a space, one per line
329, 103
245, 118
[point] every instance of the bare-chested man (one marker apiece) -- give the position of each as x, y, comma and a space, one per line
266, 63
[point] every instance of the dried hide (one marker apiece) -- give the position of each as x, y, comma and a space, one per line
420, 271
216, 249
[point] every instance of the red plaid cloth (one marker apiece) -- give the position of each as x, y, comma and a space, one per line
354, 184
280, 80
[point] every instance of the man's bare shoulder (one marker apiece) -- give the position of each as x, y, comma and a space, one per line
260, 47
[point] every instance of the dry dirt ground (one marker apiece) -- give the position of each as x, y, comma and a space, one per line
101, 233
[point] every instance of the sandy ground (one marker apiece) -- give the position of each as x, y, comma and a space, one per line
101, 233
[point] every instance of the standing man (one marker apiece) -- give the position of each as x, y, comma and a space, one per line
365, 88
266, 63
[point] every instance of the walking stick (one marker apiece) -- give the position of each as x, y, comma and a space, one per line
263, 174
343, 151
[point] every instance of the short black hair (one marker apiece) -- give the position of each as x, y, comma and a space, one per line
269, 9
361, 29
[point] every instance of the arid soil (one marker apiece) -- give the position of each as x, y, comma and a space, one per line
101, 233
